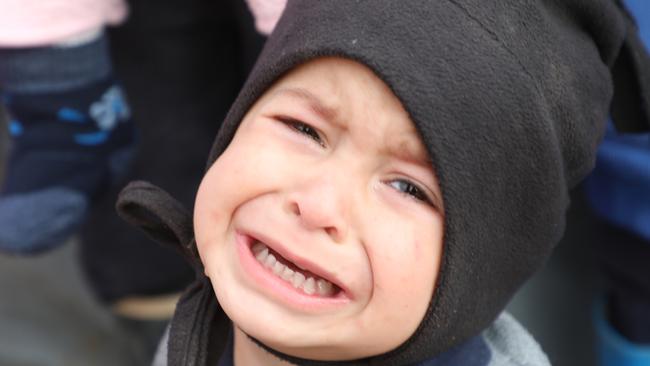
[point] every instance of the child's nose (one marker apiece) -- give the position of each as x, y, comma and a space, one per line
319, 205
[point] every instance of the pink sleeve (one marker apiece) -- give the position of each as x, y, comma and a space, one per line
266, 13
25, 23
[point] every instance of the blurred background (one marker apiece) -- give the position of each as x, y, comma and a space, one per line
104, 297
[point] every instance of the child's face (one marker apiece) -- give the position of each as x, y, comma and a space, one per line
327, 171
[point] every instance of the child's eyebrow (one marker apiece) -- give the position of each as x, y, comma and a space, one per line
315, 104
406, 148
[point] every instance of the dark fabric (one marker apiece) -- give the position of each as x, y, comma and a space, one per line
201, 324
182, 63
198, 318
631, 104
56, 140
510, 97
228, 359
60, 143
71, 138
47, 69
619, 191
164, 219
624, 259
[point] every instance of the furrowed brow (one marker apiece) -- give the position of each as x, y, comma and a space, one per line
313, 102
409, 149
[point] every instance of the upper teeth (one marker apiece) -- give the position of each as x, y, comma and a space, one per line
308, 285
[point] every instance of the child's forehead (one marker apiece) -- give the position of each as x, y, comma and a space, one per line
349, 95
333, 79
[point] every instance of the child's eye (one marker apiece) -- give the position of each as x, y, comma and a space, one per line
411, 189
302, 128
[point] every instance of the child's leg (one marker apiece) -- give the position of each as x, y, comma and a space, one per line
71, 136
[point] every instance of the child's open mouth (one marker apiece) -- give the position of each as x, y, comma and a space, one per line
296, 281
298, 277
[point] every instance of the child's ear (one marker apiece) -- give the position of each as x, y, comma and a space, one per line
160, 216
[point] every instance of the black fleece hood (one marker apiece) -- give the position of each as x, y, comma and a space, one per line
510, 98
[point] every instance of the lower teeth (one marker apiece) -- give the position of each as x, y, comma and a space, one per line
308, 285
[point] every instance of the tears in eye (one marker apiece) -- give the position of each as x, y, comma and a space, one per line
302, 128
409, 188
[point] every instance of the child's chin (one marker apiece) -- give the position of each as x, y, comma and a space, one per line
309, 350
